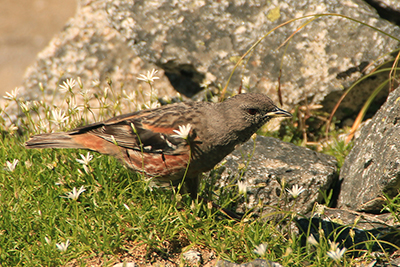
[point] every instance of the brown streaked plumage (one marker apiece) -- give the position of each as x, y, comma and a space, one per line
146, 142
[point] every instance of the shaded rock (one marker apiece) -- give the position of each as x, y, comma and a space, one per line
255, 263
372, 167
387, 9
273, 164
352, 229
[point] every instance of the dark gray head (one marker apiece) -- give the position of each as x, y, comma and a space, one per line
252, 110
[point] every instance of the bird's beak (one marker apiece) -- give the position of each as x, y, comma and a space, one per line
277, 112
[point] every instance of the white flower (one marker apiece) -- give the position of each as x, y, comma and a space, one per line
13, 95
67, 85
63, 246
85, 160
242, 187
74, 194
95, 83
47, 239
86, 94
246, 82
295, 191
215, 99
149, 78
80, 82
131, 96
11, 166
152, 105
127, 207
183, 131
205, 83
335, 253
311, 240
12, 128
25, 106
58, 116
319, 209
333, 245
261, 249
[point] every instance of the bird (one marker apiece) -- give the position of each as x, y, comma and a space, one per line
174, 143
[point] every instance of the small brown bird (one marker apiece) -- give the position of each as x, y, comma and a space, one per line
169, 141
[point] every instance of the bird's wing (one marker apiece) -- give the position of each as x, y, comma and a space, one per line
150, 131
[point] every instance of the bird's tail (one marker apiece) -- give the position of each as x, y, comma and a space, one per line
52, 140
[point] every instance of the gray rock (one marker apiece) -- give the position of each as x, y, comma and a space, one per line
273, 163
203, 39
193, 257
192, 40
255, 263
372, 168
352, 229
89, 48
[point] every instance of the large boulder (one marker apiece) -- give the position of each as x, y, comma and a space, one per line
372, 168
193, 41
269, 166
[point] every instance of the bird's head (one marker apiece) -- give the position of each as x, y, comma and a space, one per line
251, 111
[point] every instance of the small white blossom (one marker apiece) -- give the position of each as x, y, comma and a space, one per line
149, 78
295, 191
311, 240
80, 82
95, 83
131, 96
85, 160
261, 249
47, 239
335, 252
63, 246
127, 207
11, 166
43, 126
333, 245
205, 83
242, 187
58, 116
183, 131
12, 128
67, 85
319, 209
86, 94
215, 99
246, 82
25, 106
74, 194
152, 105
13, 95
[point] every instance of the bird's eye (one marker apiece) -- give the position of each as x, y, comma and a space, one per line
252, 111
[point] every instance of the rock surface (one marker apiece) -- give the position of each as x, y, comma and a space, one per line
192, 41
202, 39
372, 168
352, 229
273, 164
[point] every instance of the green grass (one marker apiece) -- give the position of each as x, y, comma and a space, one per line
117, 211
